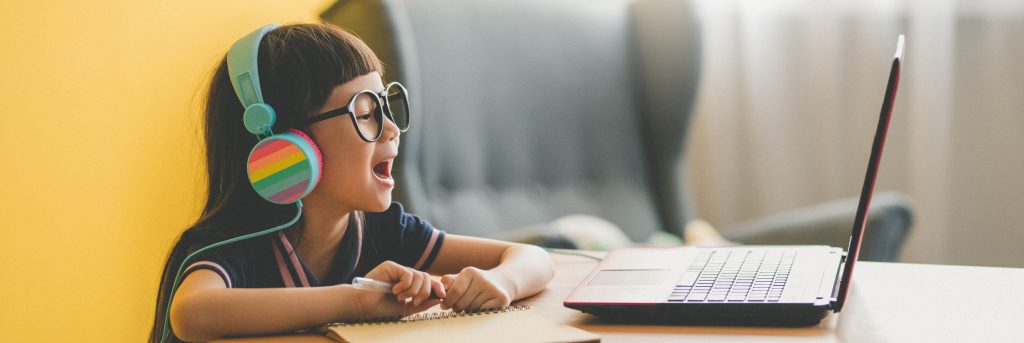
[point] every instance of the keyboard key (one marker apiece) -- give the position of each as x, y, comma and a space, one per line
716, 297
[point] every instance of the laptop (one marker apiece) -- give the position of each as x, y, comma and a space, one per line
741, 285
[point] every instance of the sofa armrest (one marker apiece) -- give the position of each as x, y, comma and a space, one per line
889, 222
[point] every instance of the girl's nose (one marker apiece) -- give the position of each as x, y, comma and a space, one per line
391, 131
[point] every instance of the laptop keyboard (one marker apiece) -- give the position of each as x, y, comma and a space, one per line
735, 275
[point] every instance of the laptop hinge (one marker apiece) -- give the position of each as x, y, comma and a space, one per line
839, 277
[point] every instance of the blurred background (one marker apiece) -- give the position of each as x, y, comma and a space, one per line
101, 155
782, 111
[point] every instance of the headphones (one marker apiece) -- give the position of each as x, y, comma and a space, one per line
283, 168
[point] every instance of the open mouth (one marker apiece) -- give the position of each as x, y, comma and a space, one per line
382, 170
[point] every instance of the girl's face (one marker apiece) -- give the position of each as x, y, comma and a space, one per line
356, 174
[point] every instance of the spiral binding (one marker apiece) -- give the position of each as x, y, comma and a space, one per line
424, 316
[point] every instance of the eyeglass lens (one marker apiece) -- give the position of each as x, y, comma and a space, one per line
367, 113
398, 105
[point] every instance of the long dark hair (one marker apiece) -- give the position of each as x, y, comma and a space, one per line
299, 66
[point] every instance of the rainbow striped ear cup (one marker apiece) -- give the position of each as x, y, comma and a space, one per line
285, 167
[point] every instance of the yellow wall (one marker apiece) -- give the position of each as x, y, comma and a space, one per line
99, 153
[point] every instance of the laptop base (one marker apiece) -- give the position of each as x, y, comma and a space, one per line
718, 314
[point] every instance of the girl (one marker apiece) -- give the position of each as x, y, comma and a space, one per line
322, 82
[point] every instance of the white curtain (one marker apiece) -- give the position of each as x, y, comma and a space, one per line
790, 95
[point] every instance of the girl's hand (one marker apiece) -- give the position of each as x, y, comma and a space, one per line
411, 290
474, 289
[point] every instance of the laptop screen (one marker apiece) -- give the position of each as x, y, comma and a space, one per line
869, 179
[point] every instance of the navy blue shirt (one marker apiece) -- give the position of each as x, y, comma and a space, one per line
371, 238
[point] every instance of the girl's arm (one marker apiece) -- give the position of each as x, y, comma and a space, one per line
490, 273
205, 309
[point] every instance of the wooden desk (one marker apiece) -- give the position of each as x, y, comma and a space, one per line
888, 302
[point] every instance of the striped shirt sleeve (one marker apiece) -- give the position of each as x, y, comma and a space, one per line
224, 262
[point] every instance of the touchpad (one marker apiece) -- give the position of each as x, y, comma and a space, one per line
631, 277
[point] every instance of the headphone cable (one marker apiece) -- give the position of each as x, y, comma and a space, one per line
177, 277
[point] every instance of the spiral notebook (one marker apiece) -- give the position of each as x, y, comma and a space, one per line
511, 324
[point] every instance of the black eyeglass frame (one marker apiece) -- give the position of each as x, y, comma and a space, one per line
383, 109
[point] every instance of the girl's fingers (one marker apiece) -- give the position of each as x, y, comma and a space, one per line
438, 288
478, 303
467, 299
447, 280
456, 291
424, 288
405, 280
414, 286
493, 303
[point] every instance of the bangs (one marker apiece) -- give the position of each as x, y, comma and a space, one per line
305, 62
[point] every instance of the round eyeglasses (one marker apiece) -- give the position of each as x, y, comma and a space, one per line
367, 111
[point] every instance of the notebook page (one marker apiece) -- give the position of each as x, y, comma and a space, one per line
513, 324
